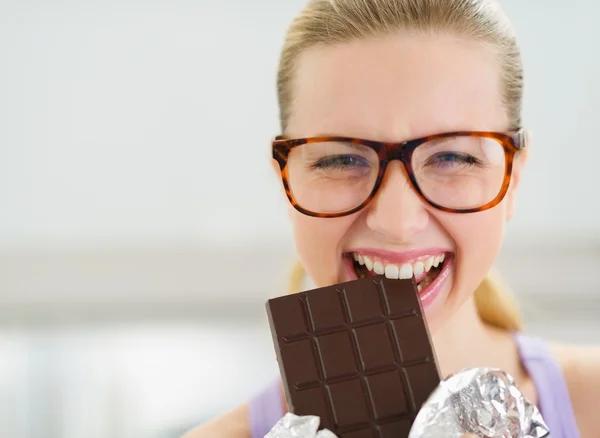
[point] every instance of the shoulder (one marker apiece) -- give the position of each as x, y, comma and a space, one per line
234, 424
581, 368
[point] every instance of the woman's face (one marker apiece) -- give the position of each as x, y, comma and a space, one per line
398, 88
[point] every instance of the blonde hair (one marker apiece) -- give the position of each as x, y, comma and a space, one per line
332, 22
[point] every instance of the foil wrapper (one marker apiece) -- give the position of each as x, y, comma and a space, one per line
293, 426
481, 401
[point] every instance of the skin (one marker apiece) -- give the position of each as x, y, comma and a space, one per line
397, 88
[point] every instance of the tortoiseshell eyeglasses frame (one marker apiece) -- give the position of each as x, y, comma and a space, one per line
512, 142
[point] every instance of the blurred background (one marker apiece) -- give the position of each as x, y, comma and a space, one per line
121, 123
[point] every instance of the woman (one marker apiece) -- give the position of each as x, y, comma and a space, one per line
402, 153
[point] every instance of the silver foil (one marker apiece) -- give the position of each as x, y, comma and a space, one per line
293, 426
481, 401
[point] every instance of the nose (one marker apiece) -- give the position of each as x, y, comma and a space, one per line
397, 212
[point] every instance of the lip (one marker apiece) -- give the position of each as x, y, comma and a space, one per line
433, 290
399, 257
427, 295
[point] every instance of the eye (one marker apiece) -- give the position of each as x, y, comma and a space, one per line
340, 162
450, 159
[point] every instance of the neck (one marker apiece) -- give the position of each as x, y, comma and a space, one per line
467, 342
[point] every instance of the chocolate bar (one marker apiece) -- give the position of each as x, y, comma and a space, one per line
357, 354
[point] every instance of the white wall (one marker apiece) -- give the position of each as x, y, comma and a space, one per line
123, 121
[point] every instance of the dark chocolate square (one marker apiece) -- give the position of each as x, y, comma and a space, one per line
402, 300
364, 301
375, 346
300, 363
289, 317
325, 310
312, 401
412, 338
387, 395
337, 355
400, 428
344, 413
422, 381
361, 433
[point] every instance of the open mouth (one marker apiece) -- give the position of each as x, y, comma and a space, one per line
424, 269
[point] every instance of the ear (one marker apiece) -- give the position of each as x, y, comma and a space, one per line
517, 173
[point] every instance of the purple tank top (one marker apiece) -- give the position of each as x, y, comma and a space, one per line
266, 408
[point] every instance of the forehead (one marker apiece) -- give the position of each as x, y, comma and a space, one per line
396, 87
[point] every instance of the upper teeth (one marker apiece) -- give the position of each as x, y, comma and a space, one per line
403, 271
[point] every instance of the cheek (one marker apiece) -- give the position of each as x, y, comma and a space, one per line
319, 245
478, 238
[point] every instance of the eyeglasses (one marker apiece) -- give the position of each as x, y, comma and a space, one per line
457, 172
